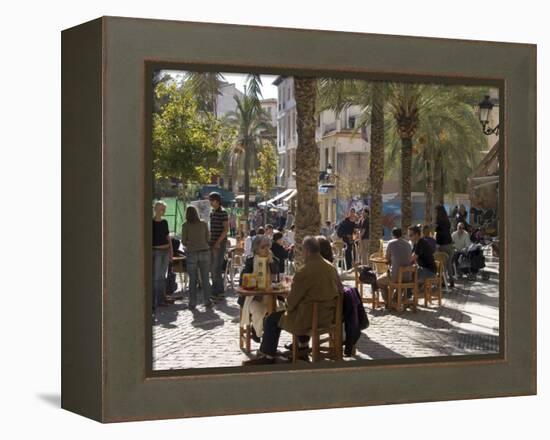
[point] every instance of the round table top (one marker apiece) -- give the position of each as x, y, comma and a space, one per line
378, 260
179, 258
270, 291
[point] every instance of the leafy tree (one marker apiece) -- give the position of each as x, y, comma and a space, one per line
267, 169
186, 144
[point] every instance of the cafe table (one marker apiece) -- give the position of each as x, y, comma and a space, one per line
272, 294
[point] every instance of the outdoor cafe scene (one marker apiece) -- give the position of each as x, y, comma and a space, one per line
312, 220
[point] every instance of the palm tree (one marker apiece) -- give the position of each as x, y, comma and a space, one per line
446, 143
251, 121
308, 217
206, 87
404, 103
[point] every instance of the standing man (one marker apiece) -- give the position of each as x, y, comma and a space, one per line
364, 230
219, 228
346, 229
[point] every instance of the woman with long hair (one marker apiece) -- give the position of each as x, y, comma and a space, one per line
194, 236
162, 253
444, 240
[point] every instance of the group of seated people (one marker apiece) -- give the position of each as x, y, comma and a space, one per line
316, 281
281, 243
403, 253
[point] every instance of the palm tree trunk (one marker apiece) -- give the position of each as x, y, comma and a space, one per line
247, 157
439, 180
376, 165
429, 194
308, 217
406, 174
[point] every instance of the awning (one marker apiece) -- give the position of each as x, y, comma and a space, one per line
479, 182
290, 196
279, 196
251, 197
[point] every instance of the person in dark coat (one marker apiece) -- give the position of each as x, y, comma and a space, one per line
279, 251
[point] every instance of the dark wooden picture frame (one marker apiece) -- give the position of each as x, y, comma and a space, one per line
106, 195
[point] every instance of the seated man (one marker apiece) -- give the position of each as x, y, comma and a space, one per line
422, 254
398, 254
315, 281
461, 241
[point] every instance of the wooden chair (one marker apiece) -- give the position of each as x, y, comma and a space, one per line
245, 335
442, 257
333, 335
432, 286
401, 287
374, 300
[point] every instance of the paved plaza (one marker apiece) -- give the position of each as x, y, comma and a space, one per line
467, 322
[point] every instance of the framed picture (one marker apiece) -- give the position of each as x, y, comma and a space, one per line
338, 219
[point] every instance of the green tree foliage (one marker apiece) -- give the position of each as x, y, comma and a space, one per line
186, 143
267, 168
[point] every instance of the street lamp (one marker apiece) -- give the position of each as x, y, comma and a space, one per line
485, 108
329, 169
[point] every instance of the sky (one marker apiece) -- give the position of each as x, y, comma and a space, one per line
268, 89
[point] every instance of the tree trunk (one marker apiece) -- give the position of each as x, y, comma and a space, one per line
307, 216
406, 174
376, 166
429, 194
247, 157
439, 181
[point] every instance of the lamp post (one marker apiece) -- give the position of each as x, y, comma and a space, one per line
330, 176
485, 108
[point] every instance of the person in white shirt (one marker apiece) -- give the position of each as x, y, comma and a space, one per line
461, 238
248, 243
461, 241
288, 237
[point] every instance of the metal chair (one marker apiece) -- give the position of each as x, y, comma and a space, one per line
338, 249
235, 264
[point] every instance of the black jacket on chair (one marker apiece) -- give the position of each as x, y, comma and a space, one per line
355, 318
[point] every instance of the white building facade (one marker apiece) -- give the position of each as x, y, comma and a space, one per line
342, 149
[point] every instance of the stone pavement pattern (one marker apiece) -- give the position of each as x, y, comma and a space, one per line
466, 323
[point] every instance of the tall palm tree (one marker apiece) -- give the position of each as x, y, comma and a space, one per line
308, 217
377, 163
404, 102
206, 87
251, 121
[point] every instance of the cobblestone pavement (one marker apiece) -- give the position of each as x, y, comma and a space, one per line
466, 323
